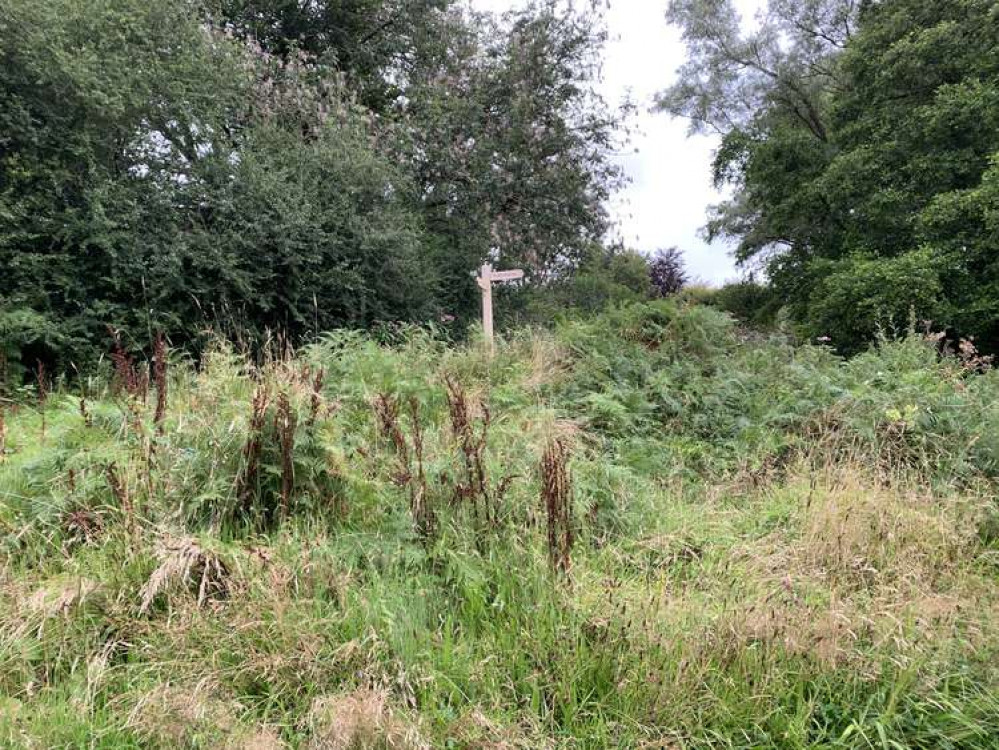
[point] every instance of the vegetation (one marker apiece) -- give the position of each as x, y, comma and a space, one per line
667, 272
262, 485
249, 166
861, 139
642, 530
752, 303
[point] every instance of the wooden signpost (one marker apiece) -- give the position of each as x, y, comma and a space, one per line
486, 278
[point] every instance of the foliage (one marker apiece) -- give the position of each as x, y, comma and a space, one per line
857, 293
667, 272
363, 40
625, 489
511, 144
606, 278
750, 302
251, 166
854, 133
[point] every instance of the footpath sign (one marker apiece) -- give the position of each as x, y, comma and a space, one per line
486, 278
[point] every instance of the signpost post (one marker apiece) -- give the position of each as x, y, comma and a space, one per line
485, 280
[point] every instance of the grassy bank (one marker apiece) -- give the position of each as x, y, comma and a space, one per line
644, 530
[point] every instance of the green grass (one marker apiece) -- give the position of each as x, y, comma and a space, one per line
772, 548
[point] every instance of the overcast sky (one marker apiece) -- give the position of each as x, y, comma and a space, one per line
670, 189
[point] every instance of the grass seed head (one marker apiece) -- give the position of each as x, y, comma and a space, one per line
185, 565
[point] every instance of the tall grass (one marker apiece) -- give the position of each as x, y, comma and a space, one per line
641, 530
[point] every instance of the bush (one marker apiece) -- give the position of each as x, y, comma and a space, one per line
667, 271
858, 296
751, 303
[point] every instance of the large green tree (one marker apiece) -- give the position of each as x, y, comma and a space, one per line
372, 42
248, 165
510, 144
858, 138
155, 173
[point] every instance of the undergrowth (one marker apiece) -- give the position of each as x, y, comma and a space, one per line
641, 530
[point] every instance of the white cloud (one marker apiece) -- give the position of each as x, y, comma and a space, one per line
670, 191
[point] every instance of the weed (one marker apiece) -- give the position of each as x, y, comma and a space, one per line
556, 496
420, 506
85, 414
160, 379
186, 565
248, 480
82, 525
759, 545
361, 719
119, 490
474, 487
129, 377
43, 393
410, 470
285, 422
387, 411
316, 397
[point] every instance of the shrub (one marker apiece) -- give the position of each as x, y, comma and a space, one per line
667, 271
751, 303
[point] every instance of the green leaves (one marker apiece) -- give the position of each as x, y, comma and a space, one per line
884, 205
862, 295
255, 165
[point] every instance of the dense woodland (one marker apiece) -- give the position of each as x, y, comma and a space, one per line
245, 166
252, 166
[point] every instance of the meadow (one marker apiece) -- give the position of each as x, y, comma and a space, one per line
647, 529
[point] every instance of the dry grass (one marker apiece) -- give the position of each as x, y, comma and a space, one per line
60, 597
548, 363
476, 731
556, 496
862, 568
856, 535
361, 720
857, 576
184, 565
196, 716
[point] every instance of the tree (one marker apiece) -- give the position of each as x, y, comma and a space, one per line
510, 143
667, 272
786, 64
156, 173
766, 93
252, 165
854, 132
85, 141
370, 41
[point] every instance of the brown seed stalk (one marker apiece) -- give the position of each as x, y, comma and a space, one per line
85, 412
556, 494
284, 425
316, 398
43, 392
160, 379
246, 482
424, 517
120, 492
475, 485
